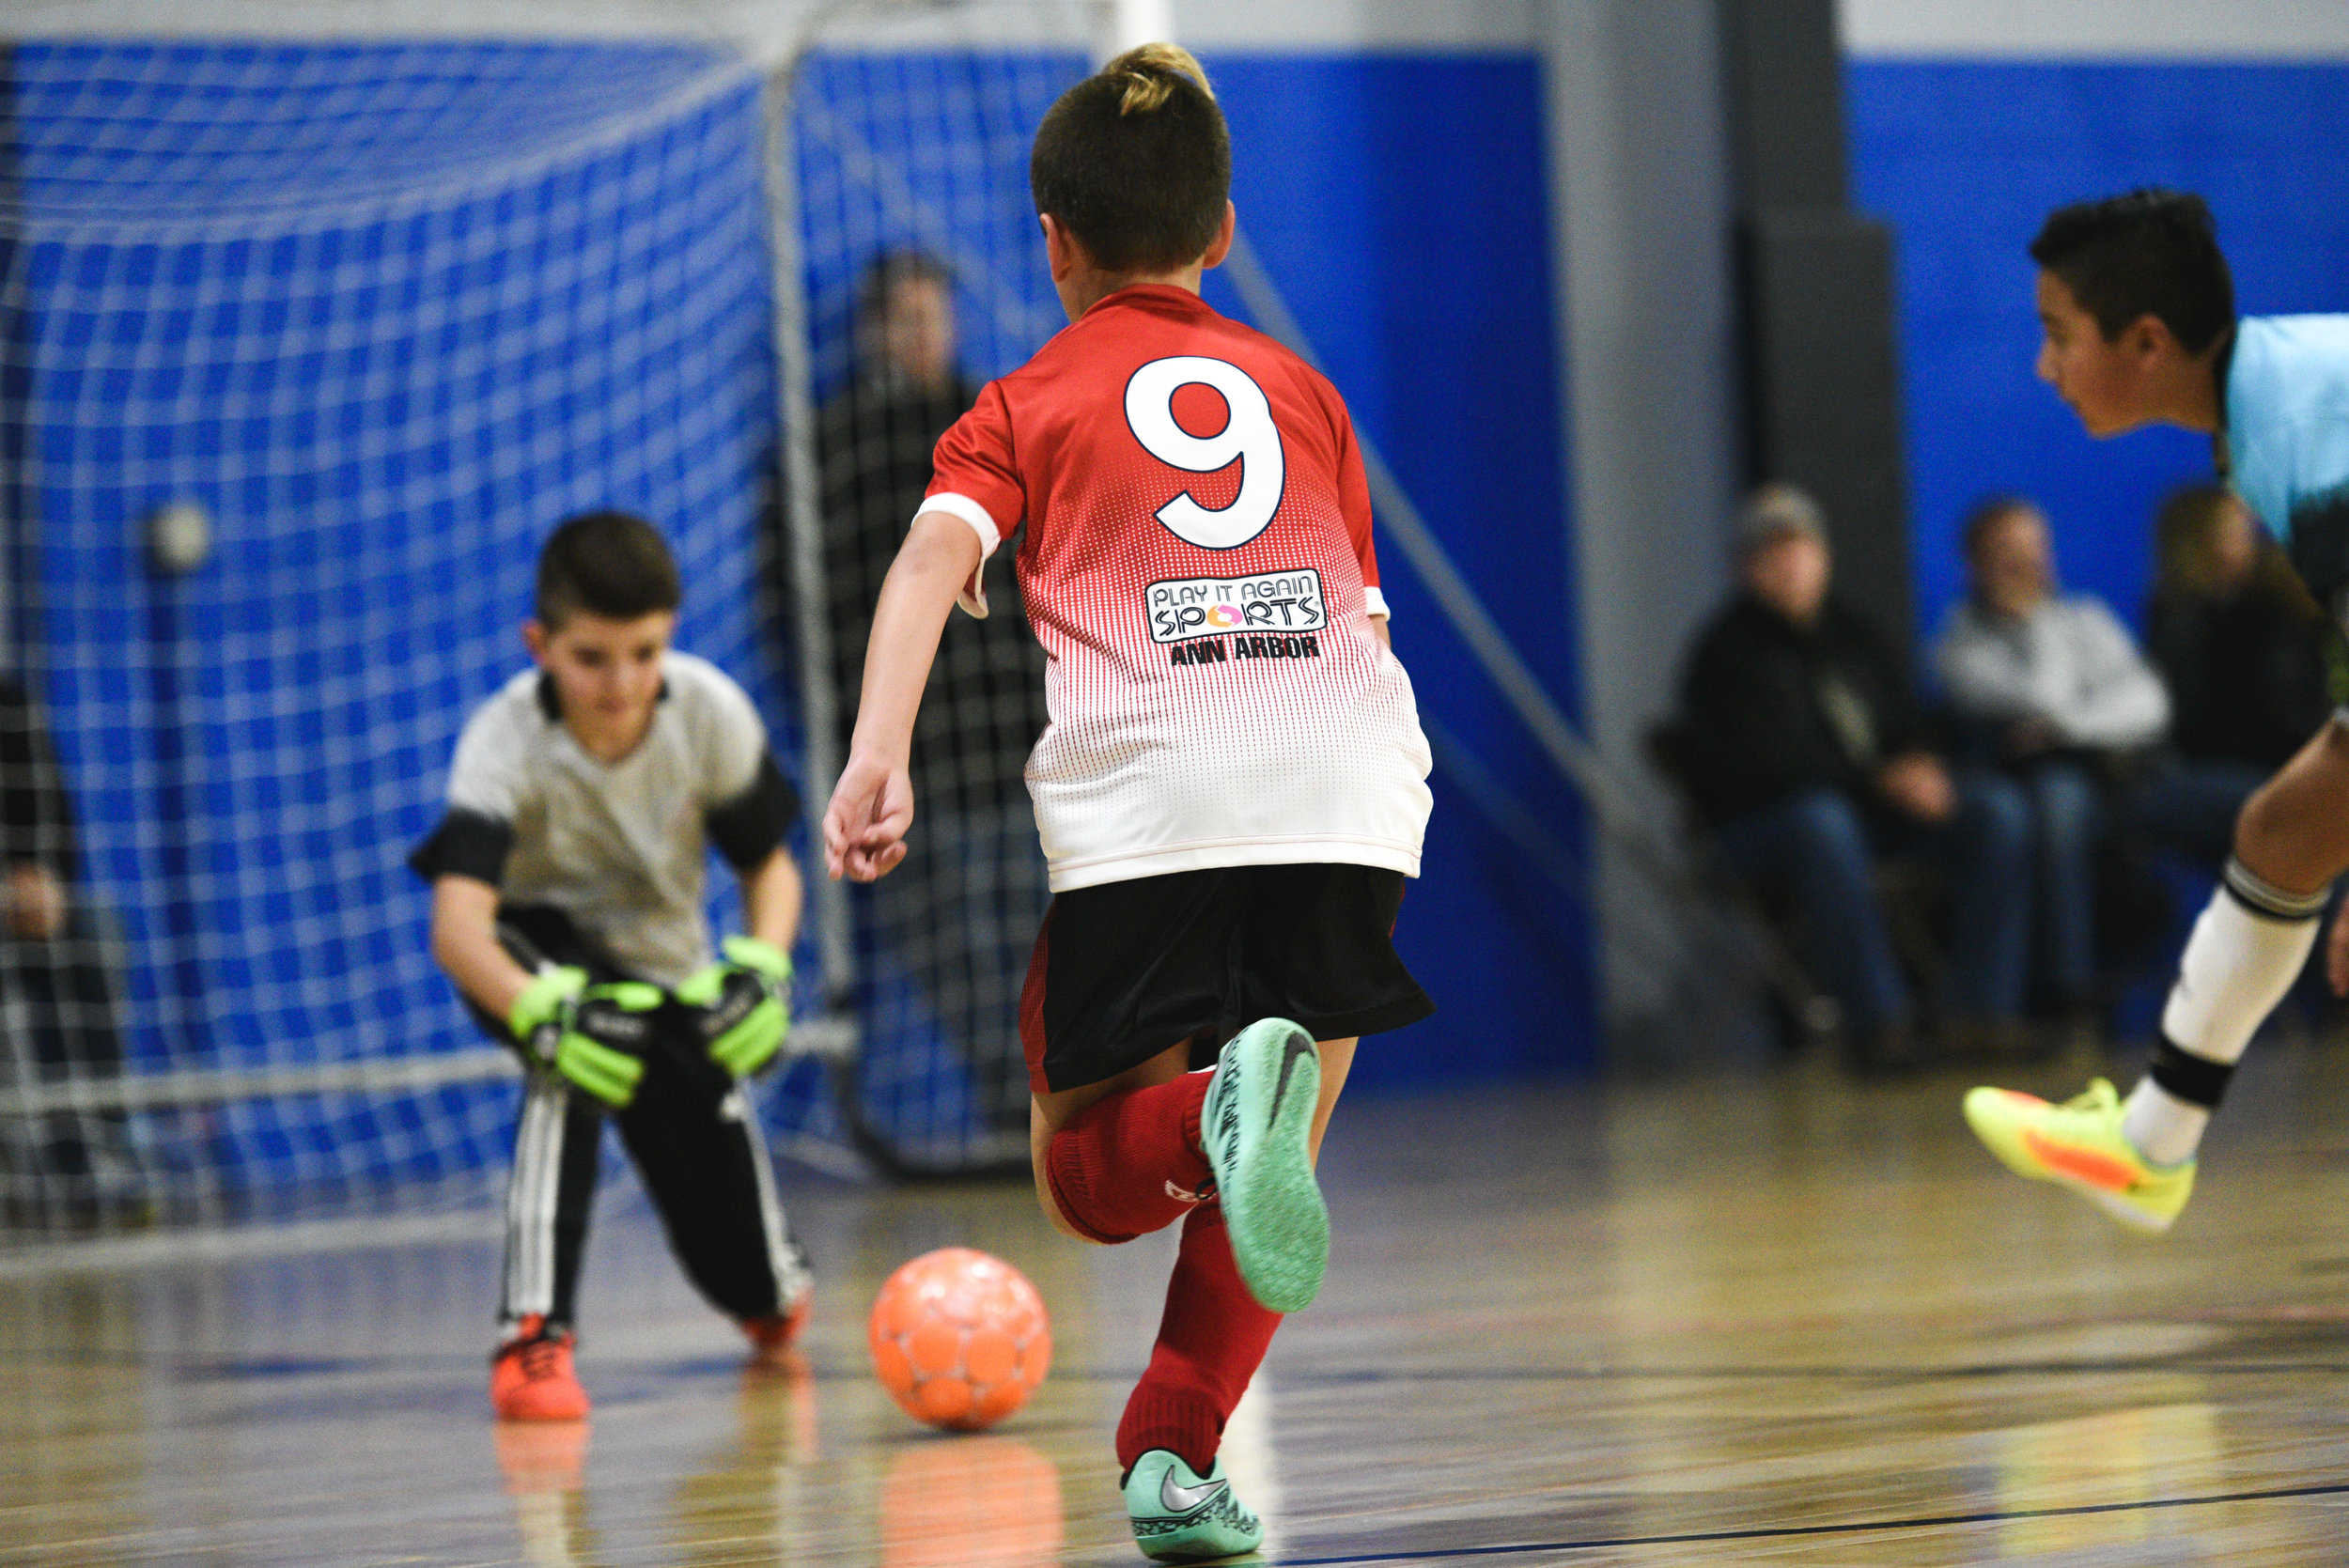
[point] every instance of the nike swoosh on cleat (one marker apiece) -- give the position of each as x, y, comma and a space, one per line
1298, 1047
2084, 1165
1182, 1500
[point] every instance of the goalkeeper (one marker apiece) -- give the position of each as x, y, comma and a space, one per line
567, 908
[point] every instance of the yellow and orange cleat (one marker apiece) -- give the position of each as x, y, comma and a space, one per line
2079, 1145
531, 1377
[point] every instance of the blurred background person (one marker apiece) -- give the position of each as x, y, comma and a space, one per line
874, 440
56, 992
2242, 648
957, 921
1803, 746
2051, 689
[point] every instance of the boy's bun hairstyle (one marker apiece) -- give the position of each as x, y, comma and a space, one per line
1135, 160
2150, 252
612, 564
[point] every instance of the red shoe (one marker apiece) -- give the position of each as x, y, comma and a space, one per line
772, 1337
531, 1377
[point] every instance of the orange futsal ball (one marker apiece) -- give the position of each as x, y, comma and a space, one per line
959, 1339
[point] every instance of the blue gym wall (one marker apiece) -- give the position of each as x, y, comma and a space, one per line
1965, 157
1414, 249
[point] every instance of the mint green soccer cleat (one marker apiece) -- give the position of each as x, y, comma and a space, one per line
1181, 1516
1255, 1126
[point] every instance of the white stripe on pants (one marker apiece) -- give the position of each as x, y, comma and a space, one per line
532, 1194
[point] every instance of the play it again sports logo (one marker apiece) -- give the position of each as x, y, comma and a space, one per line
1279, 601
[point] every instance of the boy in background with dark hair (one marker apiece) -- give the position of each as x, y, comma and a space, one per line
1231, 790
2138, 310
567, 908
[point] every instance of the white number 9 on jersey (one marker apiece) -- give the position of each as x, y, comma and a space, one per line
1250, 436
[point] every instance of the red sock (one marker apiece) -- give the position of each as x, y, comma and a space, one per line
1210, 1342
1131, 1164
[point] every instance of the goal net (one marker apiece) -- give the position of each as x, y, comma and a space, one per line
922, 278
304, 349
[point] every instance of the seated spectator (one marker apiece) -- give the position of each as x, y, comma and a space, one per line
56, 993
1804, 748
2242, 648
2057, 696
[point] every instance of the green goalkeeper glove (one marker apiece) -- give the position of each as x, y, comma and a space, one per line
593, 1035
744, 1002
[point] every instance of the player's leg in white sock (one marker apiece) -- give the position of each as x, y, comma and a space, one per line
2246, 949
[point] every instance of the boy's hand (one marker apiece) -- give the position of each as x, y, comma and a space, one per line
593, 1035
864, 826
745, 1004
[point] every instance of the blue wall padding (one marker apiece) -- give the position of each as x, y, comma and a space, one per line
1966, 157
1413, 247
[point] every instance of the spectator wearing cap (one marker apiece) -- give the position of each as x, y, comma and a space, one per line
2061, 700
1802, 745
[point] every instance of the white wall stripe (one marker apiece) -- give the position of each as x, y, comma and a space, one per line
766, 27
2098, 29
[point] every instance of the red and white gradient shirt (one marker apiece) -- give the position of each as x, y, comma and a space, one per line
1198, 566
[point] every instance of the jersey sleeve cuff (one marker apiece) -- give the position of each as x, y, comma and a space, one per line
466, 844
751, 826
1375, 602
973, 595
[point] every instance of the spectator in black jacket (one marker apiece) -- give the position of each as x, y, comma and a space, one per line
1805, 750
2242, 648
958, 919
57, 998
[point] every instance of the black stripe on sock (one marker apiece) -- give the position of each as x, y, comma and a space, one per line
2196, 1079
2266, 900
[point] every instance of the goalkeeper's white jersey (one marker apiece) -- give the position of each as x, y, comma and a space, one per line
621, 848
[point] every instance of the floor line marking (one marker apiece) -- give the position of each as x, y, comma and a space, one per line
1732, 1374
1788, 1531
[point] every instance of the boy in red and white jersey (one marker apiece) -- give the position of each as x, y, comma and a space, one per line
1231, 790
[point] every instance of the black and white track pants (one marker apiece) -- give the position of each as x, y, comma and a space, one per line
694, 1137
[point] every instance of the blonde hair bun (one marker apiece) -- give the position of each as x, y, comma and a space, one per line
1149, 72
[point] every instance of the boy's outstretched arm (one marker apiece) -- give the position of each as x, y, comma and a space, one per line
864, 826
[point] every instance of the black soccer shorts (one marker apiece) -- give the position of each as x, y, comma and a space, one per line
1125, 969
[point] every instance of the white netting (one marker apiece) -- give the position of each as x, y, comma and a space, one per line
375, 317
354, 324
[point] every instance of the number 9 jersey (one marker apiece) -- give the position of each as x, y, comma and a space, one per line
1197, 563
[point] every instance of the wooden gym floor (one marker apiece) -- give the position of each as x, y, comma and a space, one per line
1781, 1321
